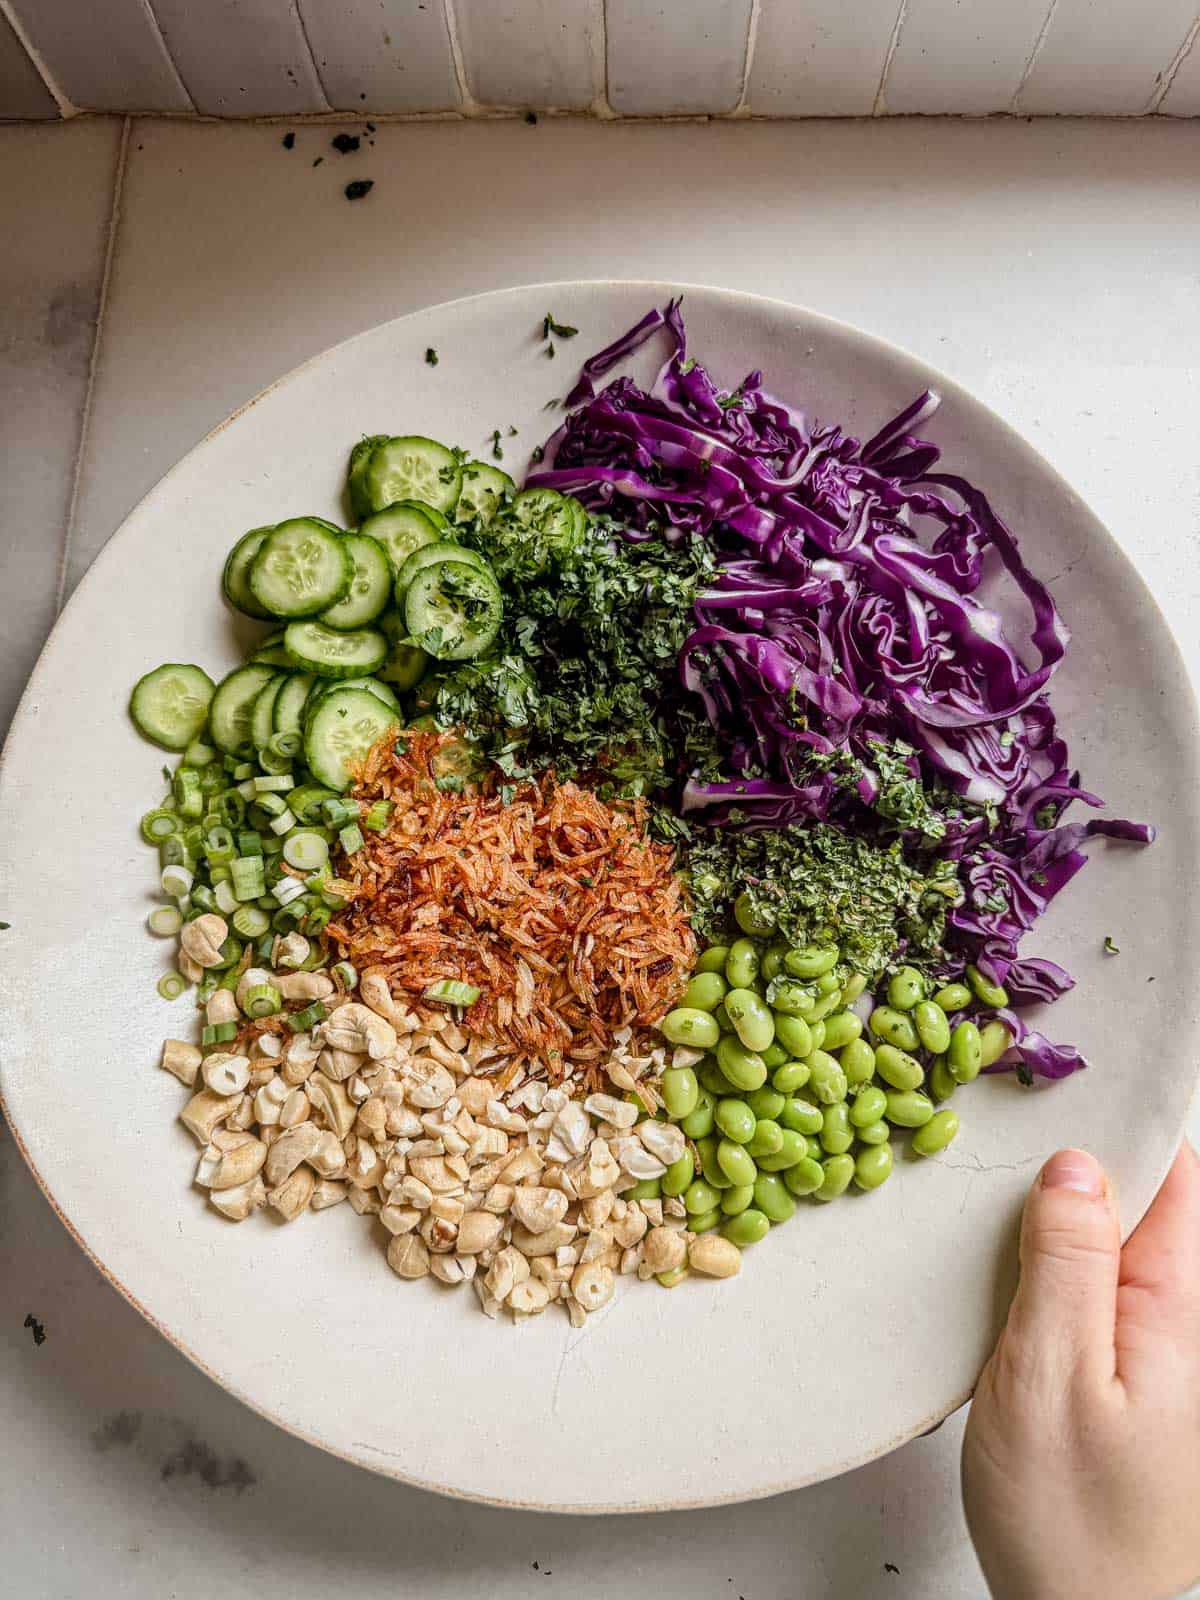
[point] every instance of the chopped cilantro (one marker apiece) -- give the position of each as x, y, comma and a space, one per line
550, 350
562, 329
538, 454
431, 357
1111, 949
497, 452
359, 188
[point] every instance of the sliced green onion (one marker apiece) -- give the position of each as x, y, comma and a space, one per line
247, 877
288, 889
202, 898
231, 954
337, 812
171, 985
351, 839
193, 839
270, 803
199, 754
250, 844
275, 765
276, 784
287, 917
165, 921
220, 873
158, 825
306, 850
449, 992
272, 846
285, 744
219, 846
251, 922
242, 770
316, 920
227, 900
246, 790
283, 823
268, 901
205, 989
307, 800
189, 797
173, 852
377, 816
301, 1021
212, 780
263, 1000
346, 974
265, 950
176, 881
218, 1033
231, 808
314, 959
230, 979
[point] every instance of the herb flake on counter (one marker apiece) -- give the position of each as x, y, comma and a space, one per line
1111, 949
497, 449
359, 188
289, 141
346, 143
431, 357
563, 329
38, 1329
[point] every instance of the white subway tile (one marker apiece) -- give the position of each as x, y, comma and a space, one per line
1182, 99
667, 59
1104, 59
820, 58
964, 56
382, 55
536, 53
242, 58
22, 92
107, 56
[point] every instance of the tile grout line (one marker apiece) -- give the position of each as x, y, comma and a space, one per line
468, 104
1027, 71
298, 12
114, 219
742, 108
1168, 78
156, 27
879, 104
598, 57
66, 107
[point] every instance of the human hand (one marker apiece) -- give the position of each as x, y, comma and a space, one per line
1081, 1461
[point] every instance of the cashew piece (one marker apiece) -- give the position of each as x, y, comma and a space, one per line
237, 1204
293, 1195
204, 1112
301, 985
665, 1249
477, 1231
182, 1060
225, 1074
289, 1150
358, 1028
407, 1256
202, 939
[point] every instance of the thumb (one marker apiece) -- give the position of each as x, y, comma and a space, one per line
1063, 1318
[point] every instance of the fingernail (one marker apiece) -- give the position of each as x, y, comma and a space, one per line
1074, 1169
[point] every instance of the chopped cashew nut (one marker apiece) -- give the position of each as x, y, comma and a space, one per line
237, 1204
664, 1250
226, 1074
717, 1257
297, 985
181, 1060
204, 1112
289, 1150
294, 1194
203, 937
537, 1209
593, 1286
221, 1007
407, 1256
478, 1231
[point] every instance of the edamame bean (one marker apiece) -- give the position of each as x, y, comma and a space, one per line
794, 1148
714, 1080
772, 961
816, 1031
677, 1179
838, 1171
908, 1109
735, 1120
722, 1017
714, 1173
942, 1083
698, 1124
744, 1069
680, 1091
806, 1177
827, 983
733, 1161
811, 960
994, 1040
868, 1106
932, 1027
894, 1027
765, 1102
836, 1133
794, 1034
752, 1021
706, 1221
858, 1062
965, 1055
854, 985
825, 1004
705, 991
985, 991
741, 965
788, 998
688, 1025
801, 1117
701, 1197
953, 997
748, 1228
872, 1166
773, 1056
791, 1076
905, 988
668, 1280
840, 1029
767, 1140
875, 1133
827, 1080
772, 1198
734, 1201
756, 920
647, 1189
714, 959
936, 1134
898, 1068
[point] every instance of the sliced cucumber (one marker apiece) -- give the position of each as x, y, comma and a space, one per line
370, 587
355, 489
558, 517
412, 468
403, 528
302, 568
371, 685
272, 655
170, 705
406, 664
331, 654
453, 610
262, 713
234, 576
428, 556
288, 713
340, 732
484, 489
233, 705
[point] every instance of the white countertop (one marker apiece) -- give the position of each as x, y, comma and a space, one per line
1054, 268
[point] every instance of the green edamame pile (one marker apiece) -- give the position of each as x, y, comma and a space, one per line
794, 1098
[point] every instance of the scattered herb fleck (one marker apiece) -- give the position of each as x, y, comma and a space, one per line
5, 926
538, 453
431, 357
531, 118
370, 127
289, 141
563, 329
345, 143
512, 432
360, 187
550, 351
1111, 949
38, 1329
890, 1566
318, 161
497, 451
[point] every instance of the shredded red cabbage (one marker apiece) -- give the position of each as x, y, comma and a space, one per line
845, 615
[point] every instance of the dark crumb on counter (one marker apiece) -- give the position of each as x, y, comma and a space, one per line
431, 357
5, 925
535, 1566
318, 161
360, 187
370, 127
345, 143
890, 1566
289, 141
531, 118
38, 1329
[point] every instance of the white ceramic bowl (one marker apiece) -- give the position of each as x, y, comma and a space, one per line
854, 1327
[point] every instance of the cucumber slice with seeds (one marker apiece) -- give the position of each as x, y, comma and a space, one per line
453, 610
272, 655
301, 569
412, 468
341, 730
262, 713
370, 586
429, 555
403, 528
331, 654
355, 489
406, 664
484, 489
371, 685
288, 713
235, 574
233, 704
170, 705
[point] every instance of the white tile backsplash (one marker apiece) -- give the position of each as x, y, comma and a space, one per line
532, 53
22, 92
666, 59
964, 56
242, 58
1104, 58
385, 56
820, 58
107, 56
